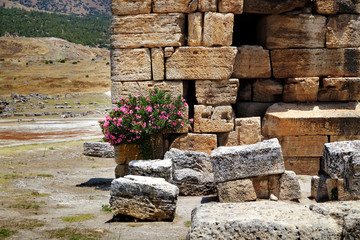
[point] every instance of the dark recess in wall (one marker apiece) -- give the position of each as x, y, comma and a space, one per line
245, 29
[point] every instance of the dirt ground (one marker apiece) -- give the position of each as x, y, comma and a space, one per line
53, 191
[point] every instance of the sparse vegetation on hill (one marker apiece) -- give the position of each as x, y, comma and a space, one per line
90, 30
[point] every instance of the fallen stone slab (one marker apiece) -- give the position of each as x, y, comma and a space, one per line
260, 220
142, 197
98, 149
336, 155
238, 162
194, 183
193, 173
152, 168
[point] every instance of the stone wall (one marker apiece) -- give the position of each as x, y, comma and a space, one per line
232, 59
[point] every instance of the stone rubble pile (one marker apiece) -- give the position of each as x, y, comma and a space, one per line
232, 59
341, 172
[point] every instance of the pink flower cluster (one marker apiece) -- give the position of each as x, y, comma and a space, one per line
137, 116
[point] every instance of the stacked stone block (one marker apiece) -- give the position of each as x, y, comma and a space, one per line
294, 51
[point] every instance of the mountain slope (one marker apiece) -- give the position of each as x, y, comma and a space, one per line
81, 7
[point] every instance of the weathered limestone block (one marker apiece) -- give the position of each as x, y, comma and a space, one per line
250, 109
337, 6
197, 63
194, 183
252, 62
321, 62
152, 168
123, 89
265, 186
303, 165
301, 89
343, 138
267, 90
233, 6
249, 130
169, 6
143, 197
260, 220
284, 119
213, 119
343, 31
197, 161
215, 93
157, 64
193, 172
271, 6
319, 189
346, 213
302, 146
236, 191
340, 89
148, 30
336, 155
289, 186
125, 153
196, 142
293, 31
238, 162
336, 190
130, 64
195, 29
207, 5
98, 149
352, 173
128, 7
218, 29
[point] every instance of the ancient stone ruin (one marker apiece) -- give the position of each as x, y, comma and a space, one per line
249, 69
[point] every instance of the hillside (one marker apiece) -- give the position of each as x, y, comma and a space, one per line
51, 66
89, 30
80, 7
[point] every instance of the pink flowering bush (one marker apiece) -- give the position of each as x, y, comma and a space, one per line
139, 120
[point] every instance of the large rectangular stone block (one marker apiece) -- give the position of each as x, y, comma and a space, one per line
130, 64
293, 31
352, 174
195, 29
303, 165
241, 190
124, 89
337, 6
283, 119
171, 6
218, 29
129, 7
267, 90
249, 130
302, 146
207, 5
144, 197
252, 62
195, 142
209, 119
148, 30
271, 6
337, 155
340, 89
215, 93
157, 64
343, 31
315, 62
301, 89
198, 63
233, 6
239, 162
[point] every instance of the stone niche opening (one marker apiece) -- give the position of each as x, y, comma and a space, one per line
246, 29
189, 94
